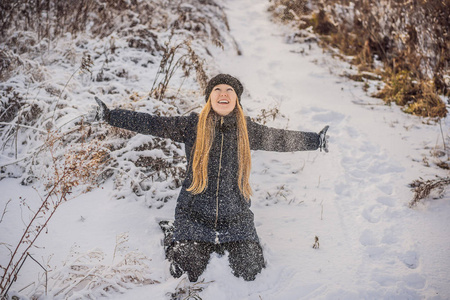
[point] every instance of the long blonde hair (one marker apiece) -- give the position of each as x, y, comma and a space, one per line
203, 143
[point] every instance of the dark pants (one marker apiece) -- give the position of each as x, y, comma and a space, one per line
245, 257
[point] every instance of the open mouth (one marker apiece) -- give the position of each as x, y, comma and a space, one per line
223, 102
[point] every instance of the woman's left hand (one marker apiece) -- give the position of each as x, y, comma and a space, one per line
323, 139
103, 111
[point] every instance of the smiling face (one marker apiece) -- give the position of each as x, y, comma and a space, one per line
223, 99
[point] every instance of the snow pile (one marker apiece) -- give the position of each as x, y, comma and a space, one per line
89, 276
351, 203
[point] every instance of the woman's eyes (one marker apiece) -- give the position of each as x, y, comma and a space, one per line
228, 90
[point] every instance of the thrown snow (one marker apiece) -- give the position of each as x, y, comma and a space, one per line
354, 198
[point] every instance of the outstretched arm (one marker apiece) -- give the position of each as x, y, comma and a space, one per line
174, 128
272, 139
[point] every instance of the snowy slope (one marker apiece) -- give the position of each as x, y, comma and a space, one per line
354, 198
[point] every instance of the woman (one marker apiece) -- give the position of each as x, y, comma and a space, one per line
213, 208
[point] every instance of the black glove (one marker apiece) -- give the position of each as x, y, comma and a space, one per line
323, 139
103, 111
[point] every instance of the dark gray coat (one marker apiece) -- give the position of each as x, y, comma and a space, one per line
220, 214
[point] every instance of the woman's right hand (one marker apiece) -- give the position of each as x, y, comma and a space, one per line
103, 111
323, 139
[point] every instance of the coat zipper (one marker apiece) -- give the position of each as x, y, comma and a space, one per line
218, 183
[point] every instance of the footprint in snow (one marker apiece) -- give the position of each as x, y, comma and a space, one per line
343, 189
388, 201
386, 167
352, 132
385, 188
410, 259
330, 117
415, 281
390, 236
373, 213
368, 238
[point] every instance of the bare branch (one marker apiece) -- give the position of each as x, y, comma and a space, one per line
5, 210
422, 189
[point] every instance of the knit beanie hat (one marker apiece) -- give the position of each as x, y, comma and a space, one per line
224, 79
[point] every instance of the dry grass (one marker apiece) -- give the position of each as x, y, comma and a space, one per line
76, 166
31, 28
415, 52
90, 276
423, 189
180, 56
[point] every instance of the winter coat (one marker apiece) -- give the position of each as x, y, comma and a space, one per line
219, 214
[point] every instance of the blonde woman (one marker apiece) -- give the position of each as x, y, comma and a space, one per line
213, 208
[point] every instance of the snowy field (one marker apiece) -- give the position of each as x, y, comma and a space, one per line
354, 198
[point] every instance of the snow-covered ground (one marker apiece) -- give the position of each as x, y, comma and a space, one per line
354, 198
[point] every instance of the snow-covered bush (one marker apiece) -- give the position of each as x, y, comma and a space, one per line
63, 170
89, 276
188, 291
55, 56
90, 47
423, 189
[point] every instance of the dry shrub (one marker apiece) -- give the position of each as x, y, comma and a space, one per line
11, 105
266, 115
288, 10
316, 244
400, 89
177, 56
76, 160
204, 20
427, 102
419, 99
187, 290
56, 32
62, 171
411, 39
8, 62
47, 19
144, 174
12, 64
322, 24
159, 168
29, 26
143, 38
89, 276
424, 188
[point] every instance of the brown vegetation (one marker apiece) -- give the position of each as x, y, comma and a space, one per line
77, 166
423, 189
174, 33
409, 39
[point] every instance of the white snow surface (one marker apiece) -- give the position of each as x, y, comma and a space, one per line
354, 198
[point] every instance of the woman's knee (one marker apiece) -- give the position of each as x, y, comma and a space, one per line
191, 257
246, 259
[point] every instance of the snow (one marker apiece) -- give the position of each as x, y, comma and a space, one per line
354, 198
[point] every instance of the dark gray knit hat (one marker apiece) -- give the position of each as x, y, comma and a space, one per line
224, 79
